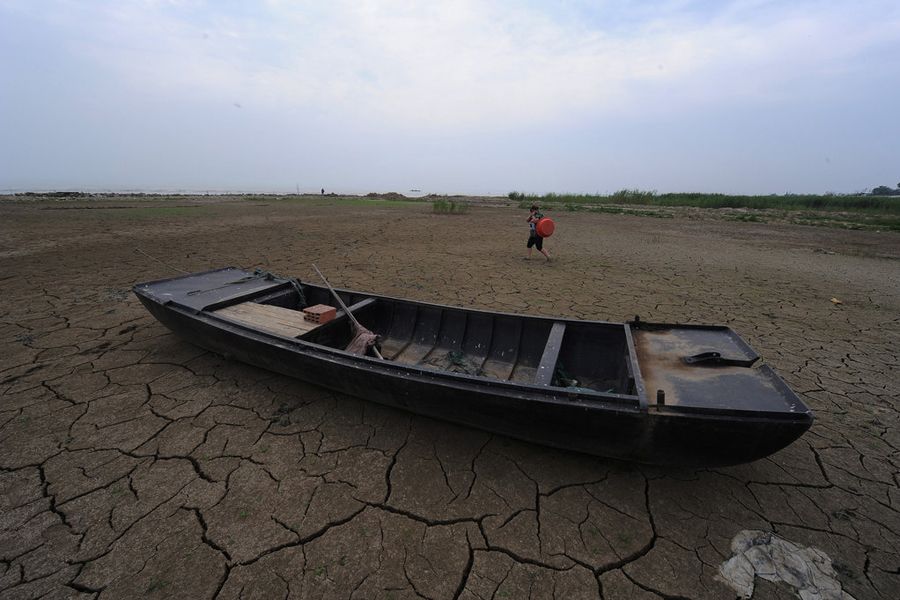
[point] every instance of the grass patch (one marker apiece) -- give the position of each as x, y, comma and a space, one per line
792, 202
618, 210
828, 210
449, 207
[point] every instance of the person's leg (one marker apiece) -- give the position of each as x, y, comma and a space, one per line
540, 246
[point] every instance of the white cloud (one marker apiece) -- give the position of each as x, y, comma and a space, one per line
472, 65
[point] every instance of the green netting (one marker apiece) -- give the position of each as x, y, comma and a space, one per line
455, 362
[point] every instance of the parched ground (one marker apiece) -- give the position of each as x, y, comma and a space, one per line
133, 464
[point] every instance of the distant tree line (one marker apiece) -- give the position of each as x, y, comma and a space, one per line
701, 199
883, 190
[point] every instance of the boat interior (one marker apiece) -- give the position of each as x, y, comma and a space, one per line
663, 366
585, 357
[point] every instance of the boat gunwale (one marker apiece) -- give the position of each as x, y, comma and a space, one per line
637, 402
286, 285
530, 393
544, 390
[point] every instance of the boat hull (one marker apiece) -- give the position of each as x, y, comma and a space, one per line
607, 429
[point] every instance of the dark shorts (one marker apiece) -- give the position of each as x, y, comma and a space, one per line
536, 241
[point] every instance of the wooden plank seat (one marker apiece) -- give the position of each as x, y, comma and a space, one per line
268, 318
551, 355
279, 320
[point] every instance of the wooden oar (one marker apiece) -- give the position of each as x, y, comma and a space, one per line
346, 310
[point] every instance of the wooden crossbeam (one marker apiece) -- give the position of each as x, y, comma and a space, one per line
277, 319
355, 308
544, 375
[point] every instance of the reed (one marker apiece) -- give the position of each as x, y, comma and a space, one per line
449, 207
887, 205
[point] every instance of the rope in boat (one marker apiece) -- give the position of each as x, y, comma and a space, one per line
296, 283
362, 337
161, 262
257, 274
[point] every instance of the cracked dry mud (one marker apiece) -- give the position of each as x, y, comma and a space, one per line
133, 464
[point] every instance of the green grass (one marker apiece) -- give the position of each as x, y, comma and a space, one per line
618, 210
827, 210
449, 207
824, 202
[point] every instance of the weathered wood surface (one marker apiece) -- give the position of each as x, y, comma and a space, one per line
272, 319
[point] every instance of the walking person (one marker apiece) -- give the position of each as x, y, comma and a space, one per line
534, 240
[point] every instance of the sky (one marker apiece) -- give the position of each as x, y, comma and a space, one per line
446, 97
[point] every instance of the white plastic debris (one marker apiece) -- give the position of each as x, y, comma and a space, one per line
764, 554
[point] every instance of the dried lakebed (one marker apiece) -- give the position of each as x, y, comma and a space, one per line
134, 464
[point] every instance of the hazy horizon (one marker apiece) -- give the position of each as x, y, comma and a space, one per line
481, 98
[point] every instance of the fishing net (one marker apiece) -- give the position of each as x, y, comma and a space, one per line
455, 362
363, 339
561, 377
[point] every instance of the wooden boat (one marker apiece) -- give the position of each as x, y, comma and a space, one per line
647, 392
